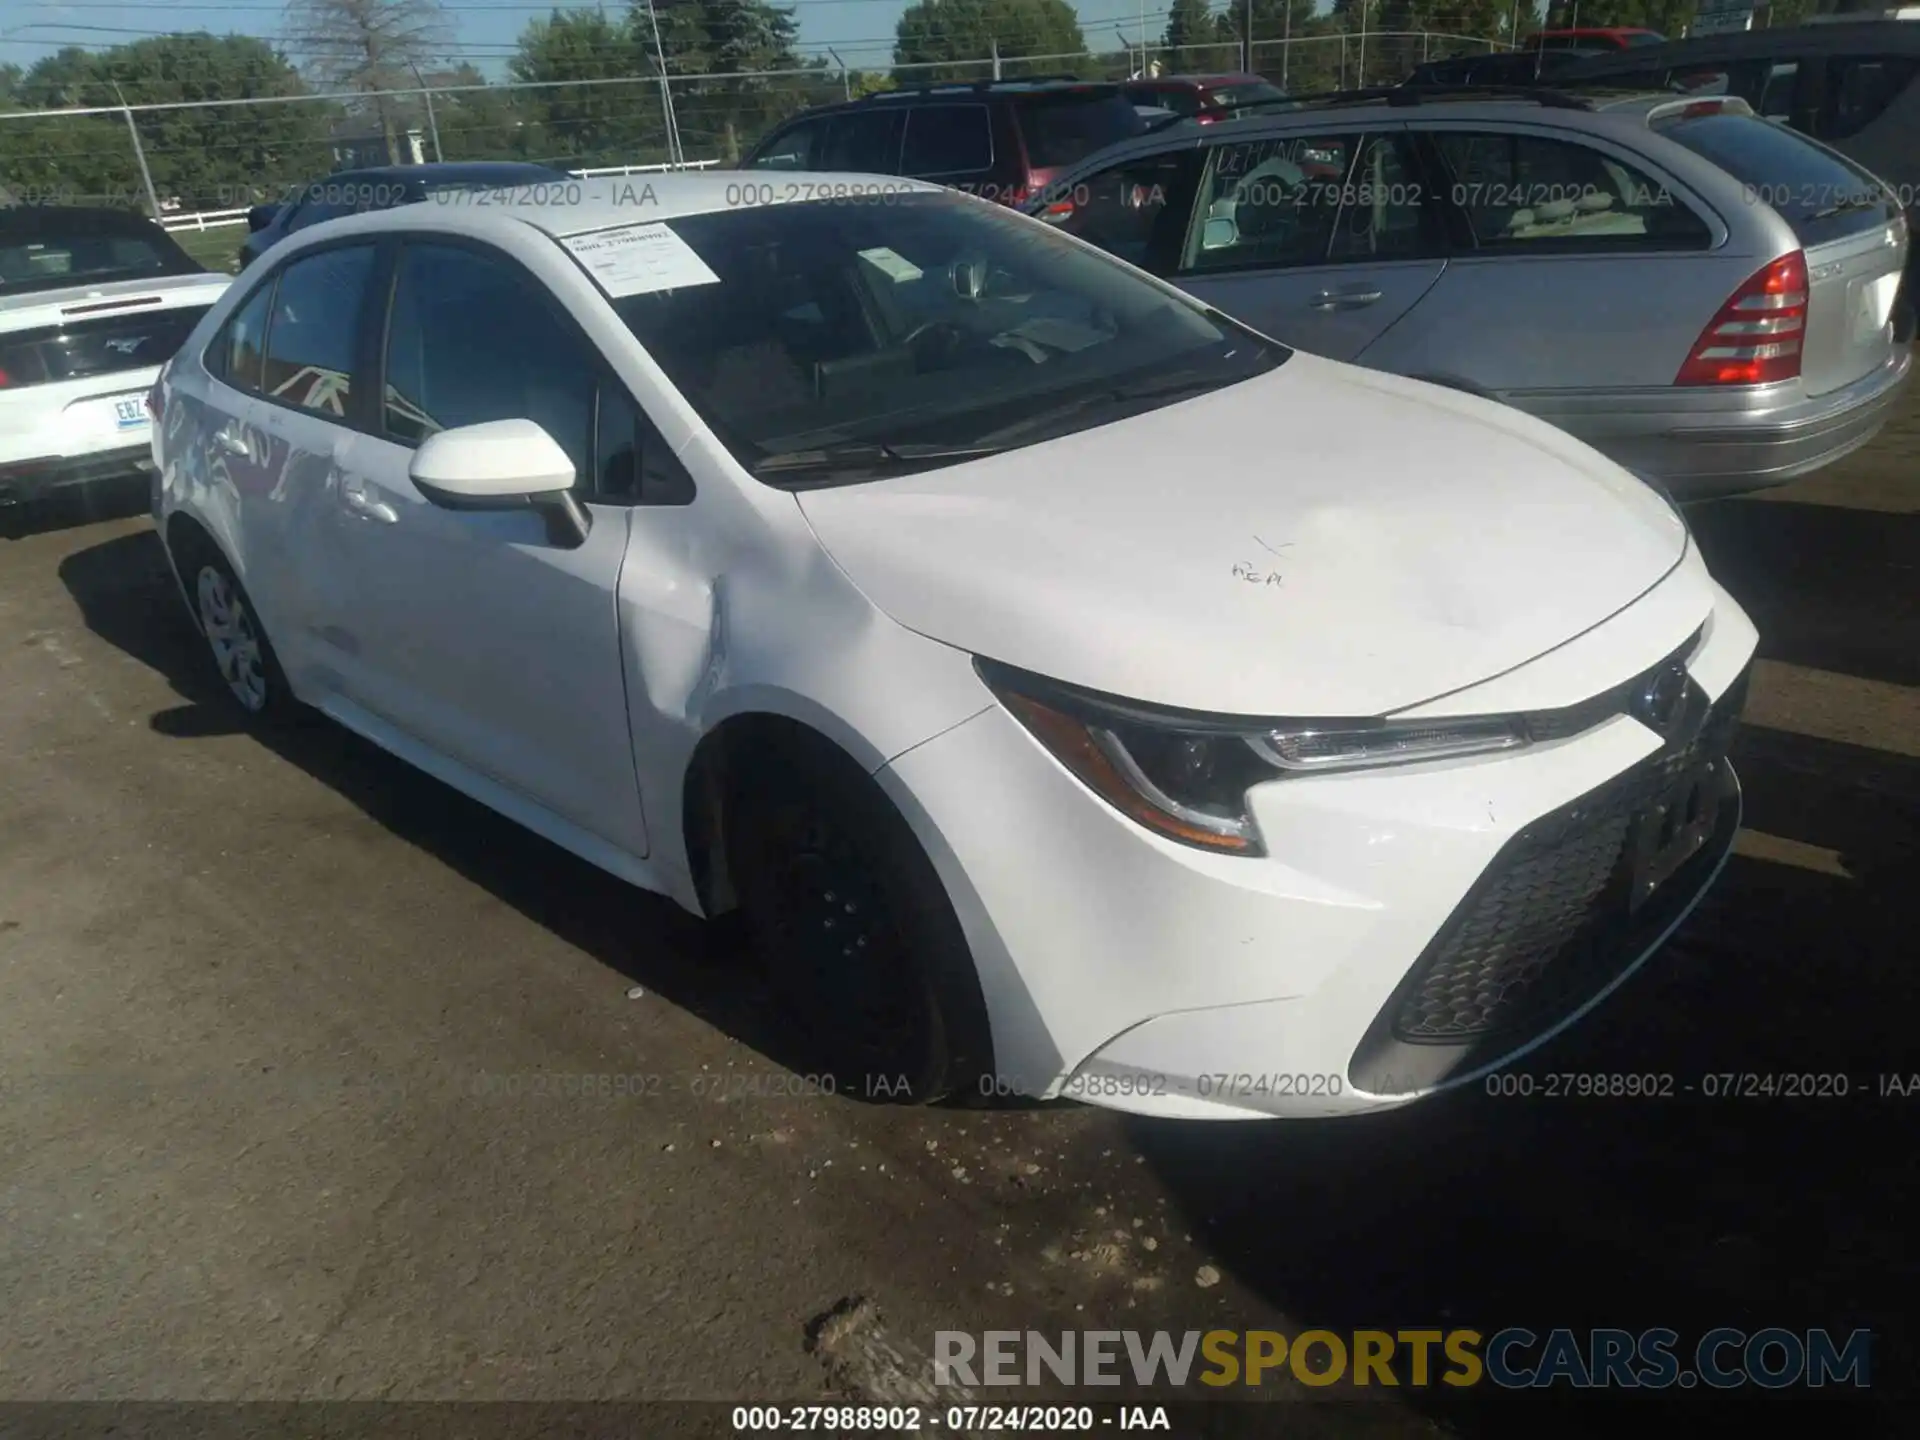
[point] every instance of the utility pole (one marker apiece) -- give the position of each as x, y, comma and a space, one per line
433, 125
1286, 46
846, 85
139, 153
993, 44
1246, 43
675, 155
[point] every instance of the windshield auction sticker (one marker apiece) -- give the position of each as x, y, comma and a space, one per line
640, 259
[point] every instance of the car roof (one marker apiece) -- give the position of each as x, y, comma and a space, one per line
611, 201
29, 220
436, 172
1618, 113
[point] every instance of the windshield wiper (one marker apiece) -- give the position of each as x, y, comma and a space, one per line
858, 456
1163, 388
1858, 202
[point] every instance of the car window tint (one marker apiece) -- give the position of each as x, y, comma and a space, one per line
1820, 193
1383, 211
1859, 89
311, 335
1701, 79
1125, 208
632, 464
863, 140
792, 149
1526, 192
1768, 86
932, 319
237, 355
947, 140
1269, 202
1064, 127
472, 338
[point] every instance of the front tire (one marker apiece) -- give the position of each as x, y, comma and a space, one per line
860, 941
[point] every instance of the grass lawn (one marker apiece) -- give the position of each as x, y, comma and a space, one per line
215, 248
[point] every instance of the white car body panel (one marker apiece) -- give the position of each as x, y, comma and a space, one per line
1428, 544
1438, 555
72, 420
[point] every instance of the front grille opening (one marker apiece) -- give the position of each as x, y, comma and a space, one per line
1548, 923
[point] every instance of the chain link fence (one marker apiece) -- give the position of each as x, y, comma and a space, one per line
201, 164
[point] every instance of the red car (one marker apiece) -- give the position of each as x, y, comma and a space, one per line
1205, 98
1603, 37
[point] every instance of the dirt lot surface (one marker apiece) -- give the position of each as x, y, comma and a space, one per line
261, 1006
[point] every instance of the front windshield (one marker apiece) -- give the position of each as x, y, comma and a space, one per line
921, 324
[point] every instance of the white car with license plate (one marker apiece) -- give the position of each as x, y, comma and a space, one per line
1078, 693
92, 303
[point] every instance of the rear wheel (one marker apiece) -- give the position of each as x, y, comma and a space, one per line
238, 645
859, 939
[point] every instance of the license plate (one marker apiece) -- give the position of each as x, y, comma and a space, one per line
130, 411
1672, 831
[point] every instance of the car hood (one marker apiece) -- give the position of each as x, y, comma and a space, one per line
1320, 541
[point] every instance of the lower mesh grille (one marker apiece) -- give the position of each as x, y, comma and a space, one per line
1545, 923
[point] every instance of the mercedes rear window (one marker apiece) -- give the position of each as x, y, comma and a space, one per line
1064, 127
1821, 195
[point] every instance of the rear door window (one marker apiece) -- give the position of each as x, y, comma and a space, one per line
237, 355
1384, 214
311, 335
866, 141
1137, 210
948, 140
1268, 203
1064, 128
1859, 89
1822, 196
1528, 193
793, 148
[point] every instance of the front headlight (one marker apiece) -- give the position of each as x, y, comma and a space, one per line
1186, 776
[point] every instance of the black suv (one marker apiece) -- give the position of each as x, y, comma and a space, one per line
998, 139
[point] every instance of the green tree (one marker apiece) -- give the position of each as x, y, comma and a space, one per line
953, 39
488, 123
203, 156
592, 123
1192, 41
719, 54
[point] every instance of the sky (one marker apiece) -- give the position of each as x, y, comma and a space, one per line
860, 31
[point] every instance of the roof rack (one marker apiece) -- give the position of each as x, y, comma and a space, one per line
979, 86
1419, 94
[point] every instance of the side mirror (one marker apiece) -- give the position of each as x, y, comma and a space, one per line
260, 217
503, 465
1219, 233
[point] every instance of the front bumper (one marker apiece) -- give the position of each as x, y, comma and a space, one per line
1699, 443
23, 481
1138, 974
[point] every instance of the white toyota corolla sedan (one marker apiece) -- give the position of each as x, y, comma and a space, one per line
1077, 693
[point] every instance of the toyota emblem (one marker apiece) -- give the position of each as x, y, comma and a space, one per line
1658, 701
